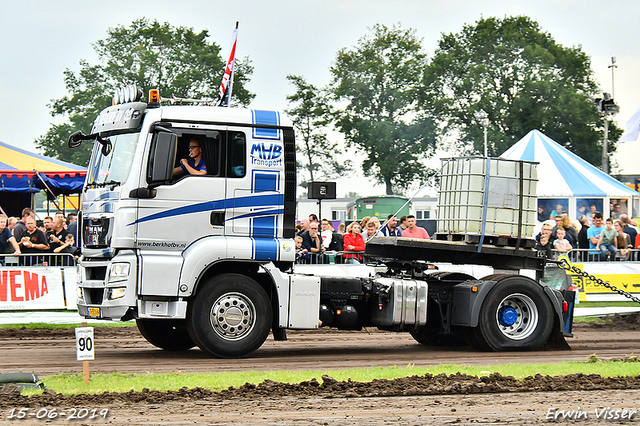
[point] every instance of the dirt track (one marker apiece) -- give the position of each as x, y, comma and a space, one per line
125, 350
421, 400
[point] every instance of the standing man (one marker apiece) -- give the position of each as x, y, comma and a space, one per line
414, 231
304, 226
313, 218
72, 225
312, 242
48, 223
583, 241
20, 229
403, 224
57, 236
547, 230
390, 230
194, 165
8, 244
593, 234
11, 223
34, 241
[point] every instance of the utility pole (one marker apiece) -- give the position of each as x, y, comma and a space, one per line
613, 66
483, 118
608, 108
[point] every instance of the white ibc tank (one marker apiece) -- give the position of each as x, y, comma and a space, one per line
501, 199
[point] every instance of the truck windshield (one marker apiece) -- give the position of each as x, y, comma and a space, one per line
114, 168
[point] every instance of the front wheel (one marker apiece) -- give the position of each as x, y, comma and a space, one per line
165, 334
516, 315
230, 317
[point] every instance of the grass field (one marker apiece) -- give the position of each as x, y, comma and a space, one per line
116, 382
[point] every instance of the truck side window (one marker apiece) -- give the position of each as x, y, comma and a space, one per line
210, 149
237, 155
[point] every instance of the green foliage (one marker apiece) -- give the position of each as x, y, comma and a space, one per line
523, 79
379, 80
177, 60
117, 382
311, 114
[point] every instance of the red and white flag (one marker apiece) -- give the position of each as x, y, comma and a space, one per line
224, 94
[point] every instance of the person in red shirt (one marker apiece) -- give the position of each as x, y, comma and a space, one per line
414, 231
353, 242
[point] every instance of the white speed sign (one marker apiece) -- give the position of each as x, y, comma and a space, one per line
84, 344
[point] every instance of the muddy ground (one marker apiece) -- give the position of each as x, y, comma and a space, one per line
456, 399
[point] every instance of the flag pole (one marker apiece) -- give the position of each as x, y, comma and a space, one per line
224, 93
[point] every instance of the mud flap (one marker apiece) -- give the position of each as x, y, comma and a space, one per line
564, 319
556, 341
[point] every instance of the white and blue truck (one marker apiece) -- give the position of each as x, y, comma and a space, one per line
208, 260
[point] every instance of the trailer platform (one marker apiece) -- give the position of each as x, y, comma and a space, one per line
456, 252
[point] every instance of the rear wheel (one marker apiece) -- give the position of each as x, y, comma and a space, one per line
166, 334
516, 315
231, 316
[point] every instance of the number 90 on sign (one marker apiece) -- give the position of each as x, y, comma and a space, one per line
84, 344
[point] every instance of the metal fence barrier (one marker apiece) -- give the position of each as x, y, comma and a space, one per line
36, 259
592, 255
331, 257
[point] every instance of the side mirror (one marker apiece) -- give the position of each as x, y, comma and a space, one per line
106, 147
75, 139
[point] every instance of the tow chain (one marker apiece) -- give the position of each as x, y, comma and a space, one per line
564, 264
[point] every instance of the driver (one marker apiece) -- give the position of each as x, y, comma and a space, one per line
194, 165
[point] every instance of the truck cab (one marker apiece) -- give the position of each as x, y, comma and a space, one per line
151, 236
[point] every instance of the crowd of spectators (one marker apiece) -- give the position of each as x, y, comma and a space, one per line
314, 238
26, 235
592, 238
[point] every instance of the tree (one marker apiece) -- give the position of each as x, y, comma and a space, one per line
310, 115
523, 79
380, 80
177, 60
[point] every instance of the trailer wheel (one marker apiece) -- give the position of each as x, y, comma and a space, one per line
230, 317
516, 315
166, 334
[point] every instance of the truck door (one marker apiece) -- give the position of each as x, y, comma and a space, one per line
181, 210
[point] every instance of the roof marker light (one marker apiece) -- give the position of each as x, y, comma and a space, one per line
154, 96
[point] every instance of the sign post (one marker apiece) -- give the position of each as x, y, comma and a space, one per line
84, 348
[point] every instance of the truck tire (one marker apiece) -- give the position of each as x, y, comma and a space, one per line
230, 317
166, 334
515, 315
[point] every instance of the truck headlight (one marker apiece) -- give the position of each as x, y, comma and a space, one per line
118, 272
79, 294
116, 293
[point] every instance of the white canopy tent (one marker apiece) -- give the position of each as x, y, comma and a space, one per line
569, 181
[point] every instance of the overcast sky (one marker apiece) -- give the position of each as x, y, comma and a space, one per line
40, 39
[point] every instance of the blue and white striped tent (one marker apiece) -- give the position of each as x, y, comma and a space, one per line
564, 175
